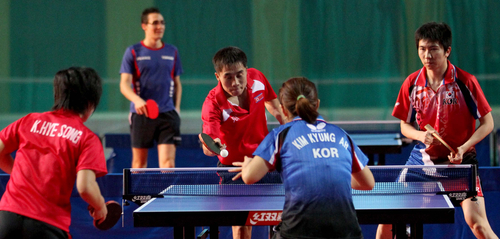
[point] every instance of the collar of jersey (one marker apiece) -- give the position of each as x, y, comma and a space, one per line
153, 49
449, 76
68, 113
320, 118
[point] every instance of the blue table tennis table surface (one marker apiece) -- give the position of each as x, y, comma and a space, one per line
408, 208
377, 139
175, 210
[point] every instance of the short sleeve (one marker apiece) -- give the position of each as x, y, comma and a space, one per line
269, 93
268, 148
127, 62
9, 136
211, 116
402, 108
359, 159
483, 107
92, 156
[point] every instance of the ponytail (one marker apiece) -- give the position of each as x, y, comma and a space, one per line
299, 96
306, 110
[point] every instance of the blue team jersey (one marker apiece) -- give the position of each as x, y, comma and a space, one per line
315, 162
153, 72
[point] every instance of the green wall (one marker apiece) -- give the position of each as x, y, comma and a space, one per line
358, 52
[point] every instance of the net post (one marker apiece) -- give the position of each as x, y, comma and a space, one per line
126, 181
126, 175
474, 181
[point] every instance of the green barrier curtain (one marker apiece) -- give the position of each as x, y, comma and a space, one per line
358, 52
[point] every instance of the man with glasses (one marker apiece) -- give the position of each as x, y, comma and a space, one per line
151, 69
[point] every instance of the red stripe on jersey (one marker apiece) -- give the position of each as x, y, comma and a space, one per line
172, 75
137, 75
356, 167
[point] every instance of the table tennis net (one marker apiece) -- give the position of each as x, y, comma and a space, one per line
218, 181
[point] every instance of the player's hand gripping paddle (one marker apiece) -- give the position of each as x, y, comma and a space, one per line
213, 146
114, 213
430, 129
152, 109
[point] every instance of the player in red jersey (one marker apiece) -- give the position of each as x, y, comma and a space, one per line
234, 112
54, 149
450, 100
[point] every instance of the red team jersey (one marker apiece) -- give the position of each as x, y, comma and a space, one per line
241, 130
452, 110
51, 148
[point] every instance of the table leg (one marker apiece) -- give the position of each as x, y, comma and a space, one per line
214, 232
189, 232
417, 231
178, 233
184, 232
399, 230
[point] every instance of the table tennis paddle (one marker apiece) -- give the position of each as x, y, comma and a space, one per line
152, 107
114, 213
213, 146
430, 129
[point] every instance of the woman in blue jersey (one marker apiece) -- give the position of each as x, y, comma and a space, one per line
318, 163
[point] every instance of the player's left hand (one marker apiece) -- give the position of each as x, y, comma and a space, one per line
98, 214
241, 165
429, 140
236, 170
456, 158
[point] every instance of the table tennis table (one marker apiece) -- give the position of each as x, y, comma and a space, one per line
246, 206
378, 143
186, 198
185, 212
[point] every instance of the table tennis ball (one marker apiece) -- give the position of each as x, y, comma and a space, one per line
224, 153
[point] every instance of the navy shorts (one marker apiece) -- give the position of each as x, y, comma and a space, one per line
165, 129
13, 225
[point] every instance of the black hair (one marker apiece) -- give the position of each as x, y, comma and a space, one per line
146, 12
77, 89
434, 31
229, 56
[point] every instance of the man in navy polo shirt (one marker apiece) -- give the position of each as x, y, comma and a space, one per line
151, 69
